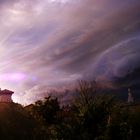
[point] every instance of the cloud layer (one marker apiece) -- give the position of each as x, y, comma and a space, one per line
53, 44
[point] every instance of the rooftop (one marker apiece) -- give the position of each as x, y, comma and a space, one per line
6, 91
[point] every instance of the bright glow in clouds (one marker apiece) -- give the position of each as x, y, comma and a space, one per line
14, 77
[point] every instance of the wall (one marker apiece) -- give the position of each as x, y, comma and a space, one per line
5, 98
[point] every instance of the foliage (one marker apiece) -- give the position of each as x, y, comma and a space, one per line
16, 123
93, 109
47, 110
90, 116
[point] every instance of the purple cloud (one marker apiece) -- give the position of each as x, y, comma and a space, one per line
56, 43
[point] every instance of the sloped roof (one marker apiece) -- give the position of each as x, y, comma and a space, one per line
6, 91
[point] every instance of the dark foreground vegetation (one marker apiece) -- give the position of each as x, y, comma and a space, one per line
88, 117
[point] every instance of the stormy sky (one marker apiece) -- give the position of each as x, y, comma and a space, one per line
50, 44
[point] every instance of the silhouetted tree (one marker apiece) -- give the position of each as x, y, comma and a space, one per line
47, 109
91, 116
93, 110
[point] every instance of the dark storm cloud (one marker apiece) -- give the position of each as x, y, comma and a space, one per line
56, 43
81, 49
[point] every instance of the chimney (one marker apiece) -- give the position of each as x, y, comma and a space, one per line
130, 96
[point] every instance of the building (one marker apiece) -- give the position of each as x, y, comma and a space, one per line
130, 96
5, 95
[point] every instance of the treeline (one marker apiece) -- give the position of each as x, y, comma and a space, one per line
89, 116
